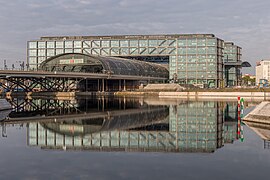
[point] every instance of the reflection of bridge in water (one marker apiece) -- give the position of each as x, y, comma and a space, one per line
186, 127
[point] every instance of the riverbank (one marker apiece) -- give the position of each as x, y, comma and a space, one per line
202, 95
197, 95
260, 115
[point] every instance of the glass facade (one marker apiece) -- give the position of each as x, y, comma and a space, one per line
199, 124
99, 64
192, 58
232, 53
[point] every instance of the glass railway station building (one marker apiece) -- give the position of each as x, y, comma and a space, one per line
198, 59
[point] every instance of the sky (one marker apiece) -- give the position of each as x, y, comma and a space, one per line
244, 22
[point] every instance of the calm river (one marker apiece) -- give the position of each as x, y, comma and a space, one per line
130, 138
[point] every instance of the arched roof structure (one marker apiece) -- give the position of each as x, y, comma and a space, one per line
77, 62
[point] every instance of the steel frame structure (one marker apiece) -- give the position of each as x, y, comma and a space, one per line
29, 84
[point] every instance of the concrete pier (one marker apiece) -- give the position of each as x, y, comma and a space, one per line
261, 114
248, 96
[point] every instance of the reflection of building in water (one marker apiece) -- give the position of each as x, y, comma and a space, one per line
192, 127
230, 124
198, 125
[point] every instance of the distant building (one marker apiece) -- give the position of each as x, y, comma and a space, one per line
191, 58
262, 70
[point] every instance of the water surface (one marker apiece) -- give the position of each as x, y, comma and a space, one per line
129, 138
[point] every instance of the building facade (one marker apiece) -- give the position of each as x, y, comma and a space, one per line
191, 58
232, 53
262, 70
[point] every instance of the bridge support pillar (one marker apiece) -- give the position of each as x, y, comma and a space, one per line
103, 85
120, 85
125, 85
98, 85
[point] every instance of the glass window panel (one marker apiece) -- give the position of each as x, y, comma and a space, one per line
211, 42
192, 59
59, 44
153, 43
68, 44
77, 44
41, 44
171, 42
68, 51
201, 42
32, 44
133, 43
96, 51
95, 43
50, 44
182, 50
87, 51
77, 50
162, 50
114, 43
32, 52
105, 43
201, 50
143, 43
41, 52
86, 44
181, 58
181, 42
171, 50
189, 42
143, 51
50, 52
124, 51
152, 50
211, 50
162, 43
134, 51
32, 60
192, 50
115, 51
59, 51
41, 59
124, 43
105, 51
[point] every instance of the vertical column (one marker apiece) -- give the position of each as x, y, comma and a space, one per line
119, 84
97, 84
103, 85
133, 87
107, 88
85, 85
125, 85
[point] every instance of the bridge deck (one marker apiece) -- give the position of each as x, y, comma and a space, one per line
47, 74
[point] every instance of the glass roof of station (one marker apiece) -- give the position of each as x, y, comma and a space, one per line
77, 62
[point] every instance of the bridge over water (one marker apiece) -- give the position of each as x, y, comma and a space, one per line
80, 72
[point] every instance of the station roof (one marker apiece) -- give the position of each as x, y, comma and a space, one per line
77, 62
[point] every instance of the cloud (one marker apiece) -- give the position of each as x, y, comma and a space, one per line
244, 22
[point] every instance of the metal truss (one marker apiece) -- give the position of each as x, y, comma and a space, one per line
48, 107
32, 84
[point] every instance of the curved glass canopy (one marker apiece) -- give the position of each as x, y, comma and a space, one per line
77, 62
